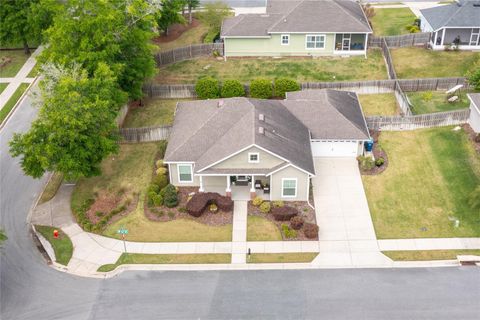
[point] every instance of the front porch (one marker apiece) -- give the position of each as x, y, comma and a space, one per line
350, 44
238, 187
461, 38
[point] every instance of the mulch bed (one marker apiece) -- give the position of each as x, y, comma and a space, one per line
378, 152
472, 135
164, 214
176, 31
105, 202
305, 211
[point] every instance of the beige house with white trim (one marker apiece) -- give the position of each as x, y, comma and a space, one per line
243, 147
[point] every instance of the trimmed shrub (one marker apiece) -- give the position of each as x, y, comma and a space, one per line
232, 88
157, 200
283, 85
265, 207
169, 195
161, 171
288, 232
366, 163
278, 204
310, 230
257, 201
261, 88
200, 201
379, 162
284, 213
296, 222
159, 163
161, 181
207, 88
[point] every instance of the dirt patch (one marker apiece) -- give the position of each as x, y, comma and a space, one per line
305, 211
176, 31
164, 214
472, 136
105, 203
4, 61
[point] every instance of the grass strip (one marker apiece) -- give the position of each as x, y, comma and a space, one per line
62, 246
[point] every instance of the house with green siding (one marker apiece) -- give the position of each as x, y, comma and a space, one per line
298, 28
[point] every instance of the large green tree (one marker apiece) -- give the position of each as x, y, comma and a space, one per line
115, 32
170, 14
76, 127
192, 4
23, 21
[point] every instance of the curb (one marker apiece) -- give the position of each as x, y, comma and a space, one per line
4, 122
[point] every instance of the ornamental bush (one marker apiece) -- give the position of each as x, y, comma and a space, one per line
296, 222
161, 181
379, 162
366, 163
169, 195
207, 88
310, 230
288, 232
257, 201
283, 85
284, 213
265, 207
261, 88
278, 203
232, 88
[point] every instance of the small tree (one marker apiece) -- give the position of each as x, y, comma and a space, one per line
232, 88
207, 88
214, 13
170, 197
473, 75
169, 15
261, 88
191, 5
283, 85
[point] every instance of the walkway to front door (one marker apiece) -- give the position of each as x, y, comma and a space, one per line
239, 232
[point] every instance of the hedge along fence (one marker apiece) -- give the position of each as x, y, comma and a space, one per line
187, 53
401, 41
431, 120
181, 91
145, 134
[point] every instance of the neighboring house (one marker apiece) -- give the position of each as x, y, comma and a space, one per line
457, 23
474, 119
245, 147
298, 28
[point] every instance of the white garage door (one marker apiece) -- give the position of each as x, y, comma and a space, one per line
334, 148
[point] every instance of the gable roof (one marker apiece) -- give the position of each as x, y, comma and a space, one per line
306, 16
208, 131
461, 14
329, 114
475, 98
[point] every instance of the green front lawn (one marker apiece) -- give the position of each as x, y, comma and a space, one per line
426, 255
301, 69
62, 246
430, 174
412, 63
282, 257
262, 229
435, 101
138, 258
384, 104
392, 21
51, 188
18, 59
155, 112
12, 101
3, 85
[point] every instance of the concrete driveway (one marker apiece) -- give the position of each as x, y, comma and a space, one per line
346, 232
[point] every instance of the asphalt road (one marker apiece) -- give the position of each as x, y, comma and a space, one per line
31, 290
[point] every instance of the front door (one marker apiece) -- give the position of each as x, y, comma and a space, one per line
346, 41
474, 37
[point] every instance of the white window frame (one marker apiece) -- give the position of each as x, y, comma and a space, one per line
296, 187
251, 154
191, 172
288, 39
315, 35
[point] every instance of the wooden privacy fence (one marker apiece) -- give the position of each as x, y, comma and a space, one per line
401, 41
388, 59
145, 134
400, 123
187, 53
185, 91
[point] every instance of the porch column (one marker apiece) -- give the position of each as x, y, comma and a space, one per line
443, 36
201, 184
252, 188
365, 45
228, 191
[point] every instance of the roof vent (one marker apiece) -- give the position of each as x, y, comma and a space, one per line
261, 130
261, 117
221, 103
285, 20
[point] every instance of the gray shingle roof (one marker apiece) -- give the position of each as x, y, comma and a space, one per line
475, 98
463, 14
205, 132
299, 16
329, 114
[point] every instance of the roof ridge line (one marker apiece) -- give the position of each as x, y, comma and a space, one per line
451, 17
286, 15
343, 116
234, 25
348, 13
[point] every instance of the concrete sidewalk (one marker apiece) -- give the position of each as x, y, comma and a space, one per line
20, 77
92, 250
